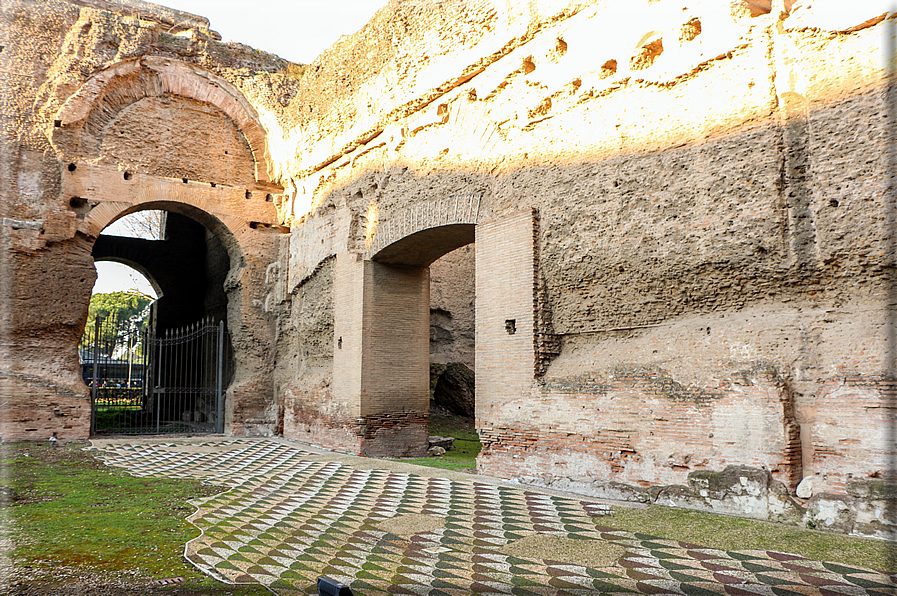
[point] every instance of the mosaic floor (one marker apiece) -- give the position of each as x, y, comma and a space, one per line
289, 519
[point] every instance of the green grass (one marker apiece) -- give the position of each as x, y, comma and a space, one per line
69, 510
462, 456
734, 533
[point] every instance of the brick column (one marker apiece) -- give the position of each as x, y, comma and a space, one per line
395, 373
505, 330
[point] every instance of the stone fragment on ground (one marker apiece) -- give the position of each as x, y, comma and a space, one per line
444, 442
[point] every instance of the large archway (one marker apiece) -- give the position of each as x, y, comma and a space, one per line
159, 134
382, 320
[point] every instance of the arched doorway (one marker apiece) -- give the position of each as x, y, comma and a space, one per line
179, 357
382, 326
159, 134
396, 364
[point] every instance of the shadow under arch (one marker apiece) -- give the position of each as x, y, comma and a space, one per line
423, 248
215, 225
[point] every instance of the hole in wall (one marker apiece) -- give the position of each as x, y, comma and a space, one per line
248, 194
339, 344
80, 206
212, 184
561, 46
511, 326
647, 54
57, 123
72, 167
269, 198
833, 203
758, 8
690, 30
609, 68
184, 180
128, 175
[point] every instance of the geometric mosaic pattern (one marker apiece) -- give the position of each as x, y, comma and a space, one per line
288, 520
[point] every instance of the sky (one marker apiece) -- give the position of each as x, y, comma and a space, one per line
297, 30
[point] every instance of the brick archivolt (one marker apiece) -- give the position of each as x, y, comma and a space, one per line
82, 117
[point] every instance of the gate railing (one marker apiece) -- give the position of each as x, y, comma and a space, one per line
141, 383
187, 375
113, 358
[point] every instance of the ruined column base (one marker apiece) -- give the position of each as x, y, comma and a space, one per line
395, 435
401, 434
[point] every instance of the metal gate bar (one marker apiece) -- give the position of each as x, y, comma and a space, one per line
180, 384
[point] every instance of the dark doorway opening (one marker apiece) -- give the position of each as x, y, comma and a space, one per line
184, 359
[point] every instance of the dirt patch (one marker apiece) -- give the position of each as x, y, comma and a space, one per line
590, 553
411, 524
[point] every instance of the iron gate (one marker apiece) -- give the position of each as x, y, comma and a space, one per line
143, 383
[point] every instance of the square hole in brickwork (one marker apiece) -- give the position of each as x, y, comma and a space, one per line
511, 326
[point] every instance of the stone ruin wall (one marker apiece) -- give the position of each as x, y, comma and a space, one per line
452, 307
711, 236
84, 102
699, 192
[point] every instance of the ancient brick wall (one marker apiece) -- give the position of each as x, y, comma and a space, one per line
112, 108
683, 216
706, 281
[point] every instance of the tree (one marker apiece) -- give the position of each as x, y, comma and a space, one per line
124, 317
121, 306
149, 225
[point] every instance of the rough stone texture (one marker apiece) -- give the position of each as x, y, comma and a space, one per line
706, 286
452, 308
454, 389
684, 252
112, 108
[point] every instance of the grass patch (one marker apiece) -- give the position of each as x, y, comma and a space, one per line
68, 510
462, 457
733, 533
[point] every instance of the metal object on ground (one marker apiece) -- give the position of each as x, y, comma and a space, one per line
330, 587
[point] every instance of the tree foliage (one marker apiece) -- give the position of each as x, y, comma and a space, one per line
120, 306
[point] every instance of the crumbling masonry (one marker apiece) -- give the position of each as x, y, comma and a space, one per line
680, 217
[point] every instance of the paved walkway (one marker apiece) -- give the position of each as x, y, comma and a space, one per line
294, 514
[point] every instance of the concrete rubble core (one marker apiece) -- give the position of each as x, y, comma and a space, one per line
669, 231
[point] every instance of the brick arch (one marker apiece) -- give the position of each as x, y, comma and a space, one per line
421, 249
229, 230
435, 224
108, 92
382, 322
241, 212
